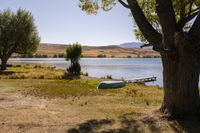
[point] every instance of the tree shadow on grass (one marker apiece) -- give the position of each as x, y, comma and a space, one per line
127, 122
191, 125
90, 126
130, 124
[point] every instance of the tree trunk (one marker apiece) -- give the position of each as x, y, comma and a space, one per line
3, 63
181, 78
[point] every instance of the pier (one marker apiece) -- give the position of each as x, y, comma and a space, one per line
142, 80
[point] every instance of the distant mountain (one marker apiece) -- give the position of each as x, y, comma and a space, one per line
131, 45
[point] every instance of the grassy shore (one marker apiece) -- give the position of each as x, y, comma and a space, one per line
37, 99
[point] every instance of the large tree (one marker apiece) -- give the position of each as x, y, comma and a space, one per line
172, 27
18, 34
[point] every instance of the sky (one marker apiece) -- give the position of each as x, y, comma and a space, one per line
63, 22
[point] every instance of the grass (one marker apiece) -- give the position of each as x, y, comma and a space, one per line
82, 88
31, 72
52, 104
46, 82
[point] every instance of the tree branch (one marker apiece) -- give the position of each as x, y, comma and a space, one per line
123, 4
152, 36
183, 21
146, 45
166, 14
195, 29
190, 9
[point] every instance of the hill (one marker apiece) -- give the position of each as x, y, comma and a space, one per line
97, 51
131, 45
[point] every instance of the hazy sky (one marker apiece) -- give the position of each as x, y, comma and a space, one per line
62, 21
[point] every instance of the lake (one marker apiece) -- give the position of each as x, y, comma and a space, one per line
119, 68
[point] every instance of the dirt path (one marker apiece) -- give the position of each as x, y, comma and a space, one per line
19, 114
30, 114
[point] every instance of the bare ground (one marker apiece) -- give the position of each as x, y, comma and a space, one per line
20, 113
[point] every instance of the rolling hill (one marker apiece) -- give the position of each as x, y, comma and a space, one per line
97, 51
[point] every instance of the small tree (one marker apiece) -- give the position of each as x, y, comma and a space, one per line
73, 53
18, 34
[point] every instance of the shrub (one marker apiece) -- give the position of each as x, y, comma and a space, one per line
84, 74
41, 77
74, 69
55, 56
109, 76
18, 65
61, 55
101, 56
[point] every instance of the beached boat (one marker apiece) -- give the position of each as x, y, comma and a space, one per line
111, 84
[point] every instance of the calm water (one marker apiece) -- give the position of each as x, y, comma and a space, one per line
126, 68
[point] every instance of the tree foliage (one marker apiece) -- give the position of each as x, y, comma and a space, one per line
73, 53
18, 34
184, 9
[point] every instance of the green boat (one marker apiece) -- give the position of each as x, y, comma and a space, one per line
111, 84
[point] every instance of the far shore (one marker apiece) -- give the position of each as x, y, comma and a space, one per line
88, 57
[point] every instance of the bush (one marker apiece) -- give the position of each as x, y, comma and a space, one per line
55, 56
61, 55
41, 56
74, 69
84, 74
26, 56
101, 56
109, 76
70, 76
18, 65
41, 77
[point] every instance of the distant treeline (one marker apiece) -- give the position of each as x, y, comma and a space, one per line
39, 56
63, 56
139, 56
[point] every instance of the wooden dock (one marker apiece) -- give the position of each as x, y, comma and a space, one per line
142, 80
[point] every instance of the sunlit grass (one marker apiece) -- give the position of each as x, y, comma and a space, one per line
31, 72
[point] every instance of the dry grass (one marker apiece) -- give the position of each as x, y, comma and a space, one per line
31, 72
35, 105
77, 106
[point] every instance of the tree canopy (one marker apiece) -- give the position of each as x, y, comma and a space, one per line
18, 34
73, 52
185, 11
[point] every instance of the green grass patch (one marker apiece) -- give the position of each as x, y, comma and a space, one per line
137, 94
